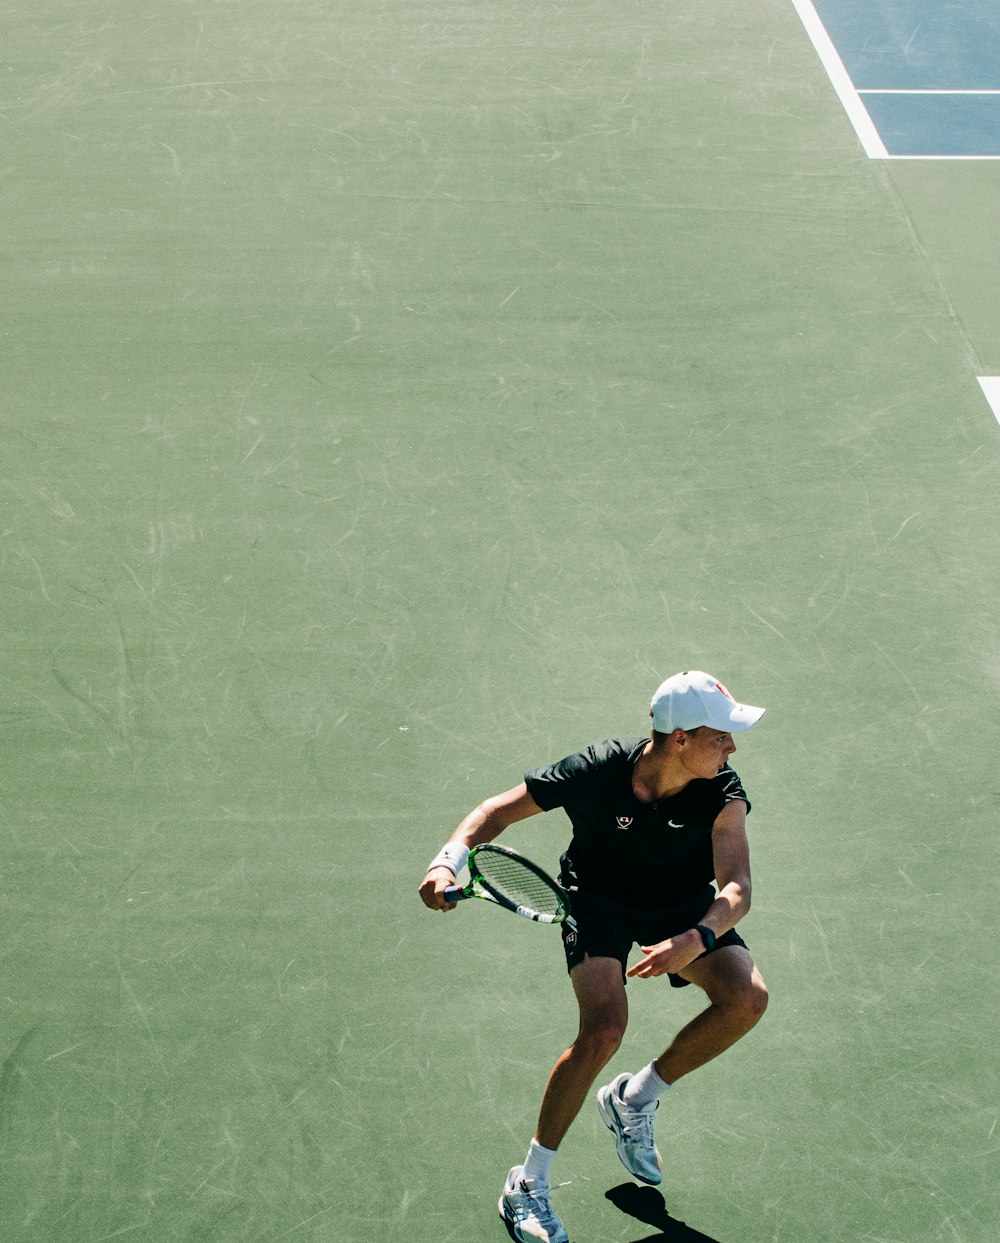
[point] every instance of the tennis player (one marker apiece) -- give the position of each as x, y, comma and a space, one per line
655, 821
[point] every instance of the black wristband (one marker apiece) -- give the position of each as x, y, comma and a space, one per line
708, 937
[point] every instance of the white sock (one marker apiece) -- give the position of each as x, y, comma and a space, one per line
538, 1163
644, 1088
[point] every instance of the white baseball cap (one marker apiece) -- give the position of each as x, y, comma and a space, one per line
688, 700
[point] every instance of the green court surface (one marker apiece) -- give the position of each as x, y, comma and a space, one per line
394, 393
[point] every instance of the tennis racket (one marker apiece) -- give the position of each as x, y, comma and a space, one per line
507, 879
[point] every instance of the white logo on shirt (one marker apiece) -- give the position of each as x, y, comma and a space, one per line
624, 822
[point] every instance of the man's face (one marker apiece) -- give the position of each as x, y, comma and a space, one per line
706, 751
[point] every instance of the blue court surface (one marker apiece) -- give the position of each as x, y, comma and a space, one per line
940, 124
919, 79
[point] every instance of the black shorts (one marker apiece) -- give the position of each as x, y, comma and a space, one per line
605, 929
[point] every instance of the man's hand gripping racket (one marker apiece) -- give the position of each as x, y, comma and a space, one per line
508, 880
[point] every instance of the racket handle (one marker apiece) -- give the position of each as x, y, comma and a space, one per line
453, 894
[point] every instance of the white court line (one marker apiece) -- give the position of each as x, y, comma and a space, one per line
867, 133
887, 90
942, 157
990, 384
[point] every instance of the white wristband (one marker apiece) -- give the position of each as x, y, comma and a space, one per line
453, 856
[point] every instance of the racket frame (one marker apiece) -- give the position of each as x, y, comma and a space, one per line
477, 882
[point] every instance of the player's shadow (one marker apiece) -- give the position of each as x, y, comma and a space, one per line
647, 1205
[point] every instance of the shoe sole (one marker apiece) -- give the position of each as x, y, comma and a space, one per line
506, 1220
606, 1118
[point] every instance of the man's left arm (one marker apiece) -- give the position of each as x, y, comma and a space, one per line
731, 855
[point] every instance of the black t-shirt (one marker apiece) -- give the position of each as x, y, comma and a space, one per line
640, 854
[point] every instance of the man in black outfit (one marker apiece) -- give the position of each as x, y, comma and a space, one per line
655, 821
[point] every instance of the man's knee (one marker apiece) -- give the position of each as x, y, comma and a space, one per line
600, 1039
733, 984
747, 1000
600, 991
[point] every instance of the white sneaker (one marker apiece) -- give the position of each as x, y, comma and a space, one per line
633, 1129
524, 1206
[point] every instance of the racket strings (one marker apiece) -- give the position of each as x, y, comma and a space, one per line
519, 884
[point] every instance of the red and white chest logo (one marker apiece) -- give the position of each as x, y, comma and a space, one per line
624, 822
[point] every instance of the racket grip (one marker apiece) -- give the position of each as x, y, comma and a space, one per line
453, 894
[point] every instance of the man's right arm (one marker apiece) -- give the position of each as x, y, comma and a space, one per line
482, 824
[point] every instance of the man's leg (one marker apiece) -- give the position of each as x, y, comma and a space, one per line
600, 993
738, 999
524, 1203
